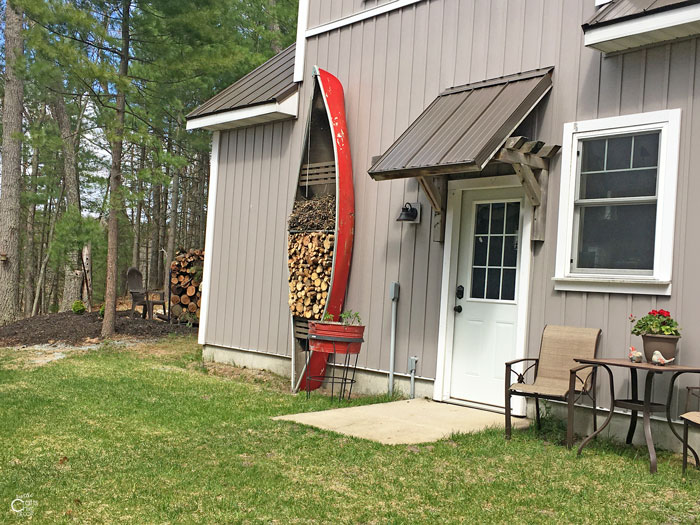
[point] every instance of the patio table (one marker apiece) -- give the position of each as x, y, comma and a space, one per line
646, 406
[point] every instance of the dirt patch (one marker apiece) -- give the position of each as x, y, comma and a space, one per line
247, 375
72, 329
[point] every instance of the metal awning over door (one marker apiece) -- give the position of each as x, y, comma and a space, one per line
467, 127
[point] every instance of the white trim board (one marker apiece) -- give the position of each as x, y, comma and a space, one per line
357, 17
626, 34
449, 276
300, 50
238, 118
209, 239
668, 122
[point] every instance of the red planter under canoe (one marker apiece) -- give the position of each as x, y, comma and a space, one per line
335, 330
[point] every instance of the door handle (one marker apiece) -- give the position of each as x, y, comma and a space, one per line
458, 308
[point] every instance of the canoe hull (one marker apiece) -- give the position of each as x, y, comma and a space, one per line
334, 100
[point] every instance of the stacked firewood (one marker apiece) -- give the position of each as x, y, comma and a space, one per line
310, 266
186, 286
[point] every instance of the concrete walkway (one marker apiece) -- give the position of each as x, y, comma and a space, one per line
403, 422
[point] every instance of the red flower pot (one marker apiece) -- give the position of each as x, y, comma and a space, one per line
333, 330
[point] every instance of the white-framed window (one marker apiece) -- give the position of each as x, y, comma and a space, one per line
617, 204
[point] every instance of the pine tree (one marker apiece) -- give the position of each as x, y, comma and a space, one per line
10, 191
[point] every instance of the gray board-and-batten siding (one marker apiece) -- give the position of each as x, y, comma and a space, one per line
392, 67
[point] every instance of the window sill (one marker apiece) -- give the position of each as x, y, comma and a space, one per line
623, 285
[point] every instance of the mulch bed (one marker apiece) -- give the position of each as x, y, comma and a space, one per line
67, 327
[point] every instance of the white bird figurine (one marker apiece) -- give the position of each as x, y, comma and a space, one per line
658, 359
635, 355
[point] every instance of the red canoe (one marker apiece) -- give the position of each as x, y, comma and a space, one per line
327, 149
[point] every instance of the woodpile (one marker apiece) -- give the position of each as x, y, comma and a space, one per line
186, 286
310, 266
313, 214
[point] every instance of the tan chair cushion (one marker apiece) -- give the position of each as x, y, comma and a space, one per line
560, 345
692, 417
543, 388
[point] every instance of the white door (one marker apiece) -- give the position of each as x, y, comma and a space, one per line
486, 294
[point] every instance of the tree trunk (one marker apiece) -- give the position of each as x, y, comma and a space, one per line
136, 250
162, 237
29, 257
87, 275
155, 239
73, 279
11, 167
115, 180
172, 227
40, 290
203, 203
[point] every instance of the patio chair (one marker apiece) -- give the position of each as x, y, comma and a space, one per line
689, 417
140, 295
556, 373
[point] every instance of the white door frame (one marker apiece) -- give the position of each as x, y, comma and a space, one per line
449, 280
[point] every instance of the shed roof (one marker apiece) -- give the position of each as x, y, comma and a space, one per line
269, 82
463, 127
620, 10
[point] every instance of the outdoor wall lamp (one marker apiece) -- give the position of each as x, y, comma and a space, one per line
410, 212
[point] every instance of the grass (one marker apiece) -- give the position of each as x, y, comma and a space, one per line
147, 434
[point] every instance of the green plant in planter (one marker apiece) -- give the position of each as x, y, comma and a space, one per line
328, 317
656, 322
350, 318
78, 307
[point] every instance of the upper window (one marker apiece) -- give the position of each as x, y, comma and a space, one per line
617, 204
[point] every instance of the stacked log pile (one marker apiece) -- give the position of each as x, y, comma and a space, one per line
310, 256
186, 286
310, 266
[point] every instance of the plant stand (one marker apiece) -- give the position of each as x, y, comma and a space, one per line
340, 346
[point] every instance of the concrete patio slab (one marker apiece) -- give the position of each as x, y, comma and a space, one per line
403, 422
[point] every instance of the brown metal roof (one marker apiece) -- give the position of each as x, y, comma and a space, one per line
463, 127
619, 10
270, 82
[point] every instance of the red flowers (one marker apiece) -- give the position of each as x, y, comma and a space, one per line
662, 313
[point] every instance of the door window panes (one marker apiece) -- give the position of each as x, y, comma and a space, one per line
495, 251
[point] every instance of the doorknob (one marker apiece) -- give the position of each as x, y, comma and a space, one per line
458, 308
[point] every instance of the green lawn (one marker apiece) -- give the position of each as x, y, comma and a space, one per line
148, 435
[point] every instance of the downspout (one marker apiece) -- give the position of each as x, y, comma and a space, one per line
394, 295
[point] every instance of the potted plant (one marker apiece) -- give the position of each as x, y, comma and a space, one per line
659, 331
350, 326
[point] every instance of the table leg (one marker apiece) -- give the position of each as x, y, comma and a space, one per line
670, 423
647, 421
333, 377
610, 413
346, 364
308, 375
685, 446
352, 381
633, 417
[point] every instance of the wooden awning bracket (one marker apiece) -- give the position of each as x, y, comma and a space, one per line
436, 190
530, 161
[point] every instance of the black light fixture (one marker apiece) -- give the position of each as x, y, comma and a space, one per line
410, 212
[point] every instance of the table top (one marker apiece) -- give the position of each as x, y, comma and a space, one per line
626, 363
